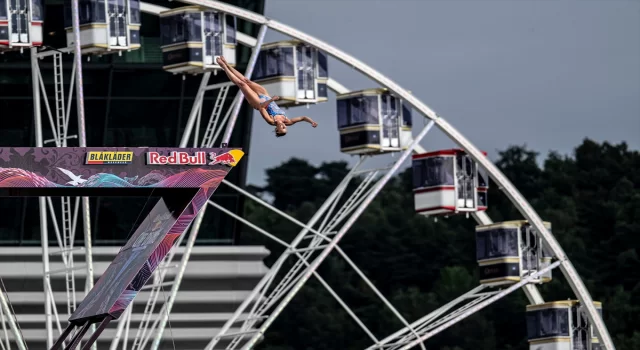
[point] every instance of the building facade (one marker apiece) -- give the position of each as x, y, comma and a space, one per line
129, 101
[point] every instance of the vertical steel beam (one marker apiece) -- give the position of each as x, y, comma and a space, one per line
82, 136
361, 208
78, 61
44, 232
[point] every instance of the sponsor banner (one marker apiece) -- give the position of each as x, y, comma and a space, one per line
42, 170
109, 157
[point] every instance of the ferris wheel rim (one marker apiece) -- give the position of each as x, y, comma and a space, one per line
523, 206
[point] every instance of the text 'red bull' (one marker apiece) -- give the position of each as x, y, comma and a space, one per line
177, 158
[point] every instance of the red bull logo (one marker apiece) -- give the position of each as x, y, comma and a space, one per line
230, 158
177, 158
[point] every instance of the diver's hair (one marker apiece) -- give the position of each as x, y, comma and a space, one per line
280, 134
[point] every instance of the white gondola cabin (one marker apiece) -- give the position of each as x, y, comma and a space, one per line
448, 182
561, 325
20, 24
293, 70
373, 121
193, 37
508, 251
106, 26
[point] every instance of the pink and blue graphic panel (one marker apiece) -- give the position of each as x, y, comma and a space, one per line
184, 178
86, 170
138, 259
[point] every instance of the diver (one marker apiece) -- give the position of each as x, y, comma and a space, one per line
258, 98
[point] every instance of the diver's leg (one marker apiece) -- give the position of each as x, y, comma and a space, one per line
259, 89
253, 85
251, 96
234, 79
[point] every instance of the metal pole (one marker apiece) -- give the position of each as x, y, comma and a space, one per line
121, 324
87, 244
78, 62
35, 82
238, 99
197, 105
176, 282
44, 232
82, 137
308, 272
6, 310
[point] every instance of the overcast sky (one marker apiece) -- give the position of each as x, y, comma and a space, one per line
543, 73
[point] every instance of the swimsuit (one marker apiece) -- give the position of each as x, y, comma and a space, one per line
272, 109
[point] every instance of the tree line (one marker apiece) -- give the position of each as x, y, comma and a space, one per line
592, 199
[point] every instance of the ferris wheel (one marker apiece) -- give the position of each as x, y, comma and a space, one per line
511, 255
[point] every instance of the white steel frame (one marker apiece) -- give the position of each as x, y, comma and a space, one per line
322, 240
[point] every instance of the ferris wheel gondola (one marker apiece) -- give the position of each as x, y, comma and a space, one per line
106, 26
561, 325
293, 70
20, 24
373, 121
448, 182
192, 37
508, 251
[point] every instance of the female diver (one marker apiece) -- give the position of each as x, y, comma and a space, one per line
259, 99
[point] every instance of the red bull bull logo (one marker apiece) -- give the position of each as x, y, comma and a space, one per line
225, 159
230, 158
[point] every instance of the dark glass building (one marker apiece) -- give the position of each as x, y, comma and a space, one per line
129, 101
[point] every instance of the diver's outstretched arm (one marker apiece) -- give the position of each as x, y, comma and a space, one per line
305, 119
267, 118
